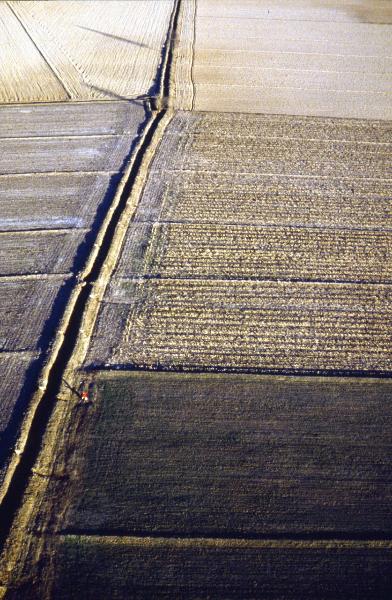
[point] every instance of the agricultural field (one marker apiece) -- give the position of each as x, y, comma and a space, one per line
70, 119
13, 369
21, 59
200, 568
184, 250
209, 278
48, 222
82, 50
37, 252
66, 200
195, 299
84, 153
239, 324
168, 456
305, 58
137, 471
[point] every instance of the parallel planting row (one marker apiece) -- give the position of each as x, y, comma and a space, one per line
209, 276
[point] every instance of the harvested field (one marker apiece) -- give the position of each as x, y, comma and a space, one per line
261, 126
26, 305
196, 429
53, 200
193, 569
44, 154
13, 368
108, 50
258, 199
248, 325
229, 456
345, 11
48, 224
259, 244
24, 73
299, 58
99, 118
179, 250
44, 252
283, 156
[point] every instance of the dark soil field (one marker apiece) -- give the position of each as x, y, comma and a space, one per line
231, 456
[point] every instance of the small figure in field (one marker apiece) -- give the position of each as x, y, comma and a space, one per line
84, 397
84, 393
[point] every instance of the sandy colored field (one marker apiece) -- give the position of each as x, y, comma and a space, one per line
344, 11
305, 58
106, 50
24, 74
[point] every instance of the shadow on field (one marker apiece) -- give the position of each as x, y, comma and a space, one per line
114, 37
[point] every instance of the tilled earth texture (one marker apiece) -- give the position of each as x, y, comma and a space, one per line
60, 166
81, 50
228, 486
259, 243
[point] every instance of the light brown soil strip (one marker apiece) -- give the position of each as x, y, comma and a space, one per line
182, 79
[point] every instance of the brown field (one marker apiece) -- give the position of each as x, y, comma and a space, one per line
208, 151
30, 252
258, 199
246, 325
241, 125
207, 278
202, 250
193, 569
328, 59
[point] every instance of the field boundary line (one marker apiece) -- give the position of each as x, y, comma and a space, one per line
183, 58
229, 542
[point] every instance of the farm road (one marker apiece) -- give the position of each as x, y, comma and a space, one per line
233, 334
